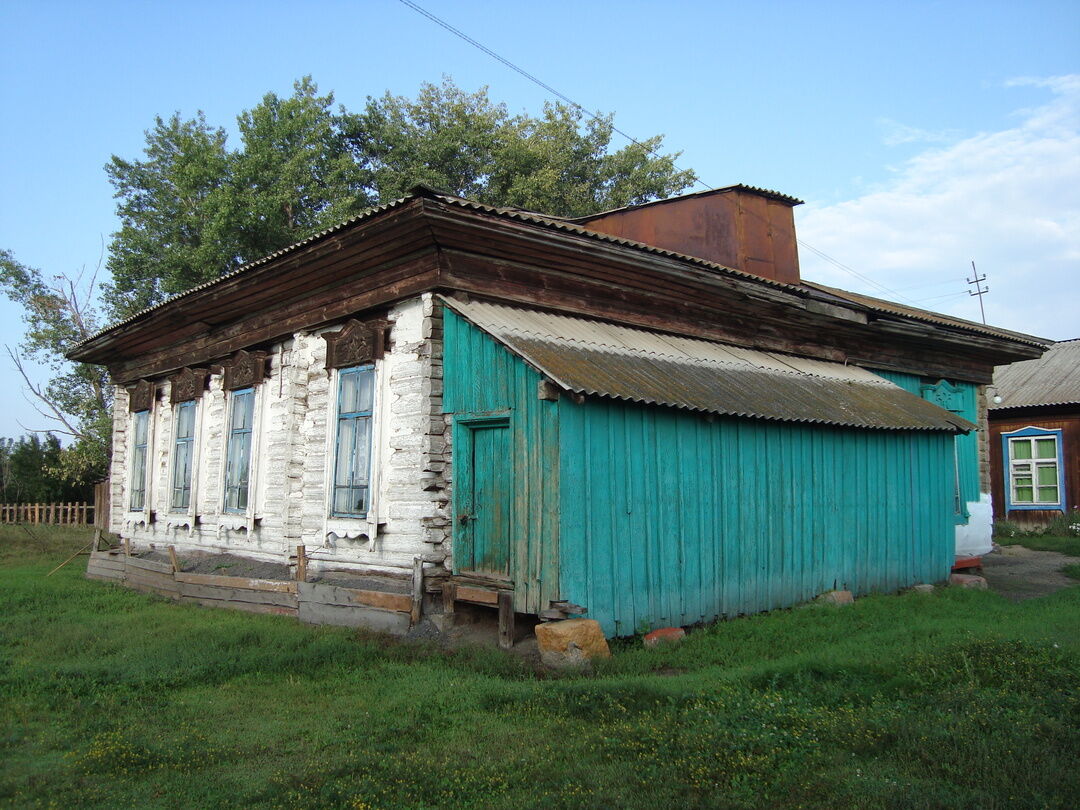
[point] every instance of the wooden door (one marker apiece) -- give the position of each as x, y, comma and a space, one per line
483, 494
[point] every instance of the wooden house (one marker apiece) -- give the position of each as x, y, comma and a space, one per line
645, 416
1034, 417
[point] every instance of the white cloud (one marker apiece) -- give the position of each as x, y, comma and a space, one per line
893, 133
1010, 200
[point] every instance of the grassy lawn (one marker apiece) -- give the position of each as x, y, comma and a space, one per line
115, 699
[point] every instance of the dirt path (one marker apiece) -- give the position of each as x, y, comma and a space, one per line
1019, 573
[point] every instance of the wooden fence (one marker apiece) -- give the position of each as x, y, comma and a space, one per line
60, 514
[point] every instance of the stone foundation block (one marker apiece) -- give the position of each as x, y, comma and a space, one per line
571, 643
836, 598
968, 581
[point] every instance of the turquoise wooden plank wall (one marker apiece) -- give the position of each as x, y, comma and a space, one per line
652, 516
967, 444
482, 378
668, 519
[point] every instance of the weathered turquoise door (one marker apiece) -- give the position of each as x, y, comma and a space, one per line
483, 494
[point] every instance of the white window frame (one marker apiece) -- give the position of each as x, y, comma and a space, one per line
229, 518
194, 441
252, 439
1014, 466
351, 527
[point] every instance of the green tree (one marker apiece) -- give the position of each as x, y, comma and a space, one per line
193, 209
176, 230
76, 398
558, 163
295, 174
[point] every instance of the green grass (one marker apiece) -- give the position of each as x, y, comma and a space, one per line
1043, 542
113, 699
1072, 570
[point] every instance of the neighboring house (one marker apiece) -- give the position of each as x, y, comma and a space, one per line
646, 413
1035, 436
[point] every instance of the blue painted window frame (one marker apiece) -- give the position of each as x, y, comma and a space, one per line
238, 452
137, 499
347, 480
1007, 465
183, 458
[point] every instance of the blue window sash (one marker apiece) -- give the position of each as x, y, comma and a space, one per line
183, 458
238, 451
140, 424
1006, 458
351, 476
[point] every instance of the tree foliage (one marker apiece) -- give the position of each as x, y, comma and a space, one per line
31, 471
76, 399
557, 163
194, 209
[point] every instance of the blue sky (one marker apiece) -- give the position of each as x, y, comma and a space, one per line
921, 135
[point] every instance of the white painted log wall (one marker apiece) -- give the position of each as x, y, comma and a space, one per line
294, 413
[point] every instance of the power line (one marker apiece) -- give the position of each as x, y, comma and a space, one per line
592, 115
596, 116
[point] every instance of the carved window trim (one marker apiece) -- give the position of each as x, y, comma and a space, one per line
357, 343
245, 370
188, 384
141, 396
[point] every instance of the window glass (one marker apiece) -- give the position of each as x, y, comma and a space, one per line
1021, 448
140, 429
352, 446
238, 452
183, 452
1046, 448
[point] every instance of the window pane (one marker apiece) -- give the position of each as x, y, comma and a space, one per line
1023, 480
141, 420
185, 420
365, 389
181, 475
361, 451
1047, 474
243, 406
1048, 494
349, 392
1021, 448
342, 469
1024, 495
1045, 448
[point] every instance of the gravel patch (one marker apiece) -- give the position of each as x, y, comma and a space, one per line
1019, 573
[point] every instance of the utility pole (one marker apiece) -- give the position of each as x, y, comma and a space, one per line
979, 289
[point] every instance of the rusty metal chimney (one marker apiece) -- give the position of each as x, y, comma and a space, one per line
742, 227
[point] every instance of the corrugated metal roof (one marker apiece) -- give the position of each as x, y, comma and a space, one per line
892, 308
596, 358
764, 192
1053, 379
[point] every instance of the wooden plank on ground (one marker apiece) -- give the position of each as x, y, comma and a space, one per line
345, 597
386, 621
106, 564
281, 586
247, 607
192, 591
139, 578
481, 596
149, 565
108, 576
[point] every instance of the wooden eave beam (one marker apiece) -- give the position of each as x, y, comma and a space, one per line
276, 279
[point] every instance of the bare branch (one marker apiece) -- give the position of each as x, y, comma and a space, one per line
55, 413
